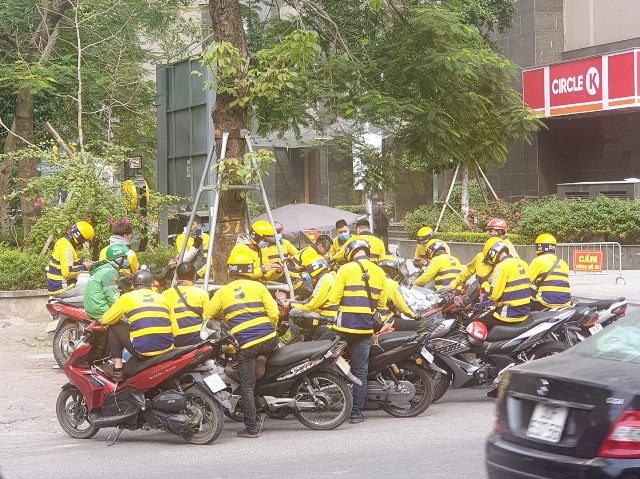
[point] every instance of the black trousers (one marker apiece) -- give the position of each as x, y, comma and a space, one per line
119, 339
384, 236
247, 371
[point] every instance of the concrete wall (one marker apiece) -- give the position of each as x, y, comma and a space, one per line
597, 22
28, 305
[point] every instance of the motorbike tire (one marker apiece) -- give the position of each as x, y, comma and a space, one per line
300, 389
66, 412
63, 340
548, 348
210, 409
416, 374
441, 385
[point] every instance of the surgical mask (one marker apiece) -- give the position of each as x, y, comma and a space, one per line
278, 236
344, 236
263, 244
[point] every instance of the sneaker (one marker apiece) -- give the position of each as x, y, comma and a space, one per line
117, 374
356, 418
247, 433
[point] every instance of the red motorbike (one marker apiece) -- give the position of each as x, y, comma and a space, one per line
175, 392
67, 325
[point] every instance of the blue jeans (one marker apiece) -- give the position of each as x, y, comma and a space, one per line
359, 347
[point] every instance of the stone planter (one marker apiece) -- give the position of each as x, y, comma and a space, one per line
29, 305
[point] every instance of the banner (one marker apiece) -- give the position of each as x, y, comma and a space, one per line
590, 261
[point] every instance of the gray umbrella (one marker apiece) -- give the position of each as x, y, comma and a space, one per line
296, 217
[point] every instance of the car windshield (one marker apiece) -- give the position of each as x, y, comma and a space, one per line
620, 341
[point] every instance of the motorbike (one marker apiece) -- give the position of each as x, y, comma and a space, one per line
609, 310
580, 326
472, 356
308, 379
397, 382
175, 392
67, 325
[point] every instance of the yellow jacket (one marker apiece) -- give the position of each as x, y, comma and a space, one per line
478, 267
336, 245
186, 322
205, 244
319, 300
349, 293
132, 259
249, 309
258, 261
147, 313
442, 269
376, 253
396, 301
64, 266
554, 291
421, 251
510, 290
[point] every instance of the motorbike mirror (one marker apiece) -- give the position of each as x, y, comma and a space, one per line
209, 330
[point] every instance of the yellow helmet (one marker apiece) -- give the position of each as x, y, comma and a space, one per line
545, 243
317, 266
240, 263
424, 234
434, 246
262, 231
81, 232
493, 248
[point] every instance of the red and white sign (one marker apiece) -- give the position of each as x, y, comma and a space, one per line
598, 83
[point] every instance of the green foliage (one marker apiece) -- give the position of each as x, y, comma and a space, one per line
427, 215
362, 209
487, 15
21, 270
157, 257
243, 172
478, 237
510, 211
603, 219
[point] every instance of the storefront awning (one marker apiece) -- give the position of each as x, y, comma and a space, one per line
600, 83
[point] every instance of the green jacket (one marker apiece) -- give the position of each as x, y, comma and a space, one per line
101, 290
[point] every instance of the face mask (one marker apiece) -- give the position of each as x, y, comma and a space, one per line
263, 244
278, 236
344, 236
306, 277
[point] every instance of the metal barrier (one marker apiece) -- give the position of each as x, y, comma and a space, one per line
606, 258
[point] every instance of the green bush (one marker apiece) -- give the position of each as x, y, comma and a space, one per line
158, 257
21, 270
427, 215
478, 237
362, 209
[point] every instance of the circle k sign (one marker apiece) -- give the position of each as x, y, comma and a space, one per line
575, 82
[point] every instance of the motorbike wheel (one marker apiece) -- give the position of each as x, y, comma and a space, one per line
64, 341
423, 383
212, 417
548, 348
333, 399
441, 385
72, 413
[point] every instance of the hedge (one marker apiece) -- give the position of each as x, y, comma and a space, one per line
477, 237
21, 270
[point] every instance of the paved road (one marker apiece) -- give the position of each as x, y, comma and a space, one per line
446, 442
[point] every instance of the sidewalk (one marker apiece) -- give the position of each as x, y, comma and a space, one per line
594, 286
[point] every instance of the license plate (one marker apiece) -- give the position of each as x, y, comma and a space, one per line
596, 328
343, 365
215, 383
427, 355
547, 422
52, 326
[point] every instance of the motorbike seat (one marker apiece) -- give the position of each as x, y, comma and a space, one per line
293, 353
509, 331
600, 304
133, 366
388, 341
75, 304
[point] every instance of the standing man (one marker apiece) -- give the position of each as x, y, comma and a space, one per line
252, 314
64, 265
381, 222
360, 294
186, 306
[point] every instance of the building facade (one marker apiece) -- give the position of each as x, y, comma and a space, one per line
581, 75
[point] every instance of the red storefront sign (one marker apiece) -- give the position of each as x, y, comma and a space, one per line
598, 83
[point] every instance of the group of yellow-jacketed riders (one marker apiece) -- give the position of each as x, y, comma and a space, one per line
362, 293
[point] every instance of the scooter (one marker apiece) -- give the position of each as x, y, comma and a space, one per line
174, 392
609, 310
67, 325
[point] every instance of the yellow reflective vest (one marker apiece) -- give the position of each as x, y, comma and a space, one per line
186, 319
147, 314
355, 310
478, 267
132, 259
443, 270
205, 244
319, 300
64, 266
249, 309
552, 290
510, 290
376, 253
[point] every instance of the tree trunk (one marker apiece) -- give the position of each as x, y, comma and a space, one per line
464, 194
227, 27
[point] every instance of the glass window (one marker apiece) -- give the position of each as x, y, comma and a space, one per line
620, 341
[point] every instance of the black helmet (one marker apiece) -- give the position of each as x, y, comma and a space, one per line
356, 244
143, 277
